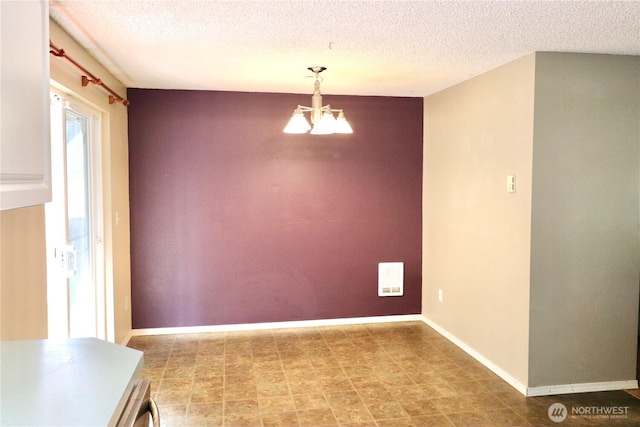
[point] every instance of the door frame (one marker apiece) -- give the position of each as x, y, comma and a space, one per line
57, 257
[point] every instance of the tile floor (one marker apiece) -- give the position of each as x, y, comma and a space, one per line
392, 374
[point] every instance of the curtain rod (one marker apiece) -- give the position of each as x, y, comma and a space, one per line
89, 78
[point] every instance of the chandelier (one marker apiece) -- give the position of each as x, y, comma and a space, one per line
324, 122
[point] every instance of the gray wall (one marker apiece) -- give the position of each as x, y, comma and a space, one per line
584, 230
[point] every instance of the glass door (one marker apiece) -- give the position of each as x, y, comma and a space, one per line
82, 292
74, 242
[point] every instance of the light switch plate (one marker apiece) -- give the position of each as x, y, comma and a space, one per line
511, 183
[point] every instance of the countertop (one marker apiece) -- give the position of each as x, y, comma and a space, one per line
73, 382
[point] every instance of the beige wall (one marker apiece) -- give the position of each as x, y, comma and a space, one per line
586, 187
476, 235
24, 276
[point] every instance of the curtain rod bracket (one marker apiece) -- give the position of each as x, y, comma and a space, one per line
86, 80
57, 53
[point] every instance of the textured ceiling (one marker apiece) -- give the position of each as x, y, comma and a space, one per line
391, 48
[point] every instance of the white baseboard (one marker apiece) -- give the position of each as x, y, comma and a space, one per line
126, 339
479, 357
532, 391
581, 388
275, 325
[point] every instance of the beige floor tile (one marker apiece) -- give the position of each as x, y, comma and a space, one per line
316, 417
239, 407
280, 419
173, 397
240, 391
310, 401
433, 421
273, 389
386, 409
178, 371
202, 393
396, 422
242, 420
437, 390
303, 386
356, 414
420, 407
203, 411
453, 404
276, 404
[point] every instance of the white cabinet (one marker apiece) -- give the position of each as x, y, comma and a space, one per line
25, 165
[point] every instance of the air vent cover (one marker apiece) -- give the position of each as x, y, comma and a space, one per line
390, 279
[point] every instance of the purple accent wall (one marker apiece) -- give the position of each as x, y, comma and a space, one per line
233, 221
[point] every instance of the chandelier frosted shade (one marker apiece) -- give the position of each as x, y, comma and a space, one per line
342, 125
322, 118
297, 124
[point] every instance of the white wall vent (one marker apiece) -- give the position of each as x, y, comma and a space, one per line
390, 279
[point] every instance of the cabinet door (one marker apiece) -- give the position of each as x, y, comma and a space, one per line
141, 409
25, 165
